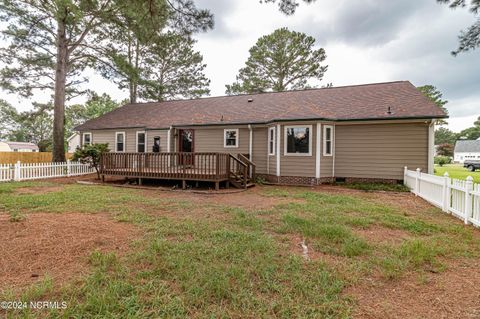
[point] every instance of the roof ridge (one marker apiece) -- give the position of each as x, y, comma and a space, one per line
262, 93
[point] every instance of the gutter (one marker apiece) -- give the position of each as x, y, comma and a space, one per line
429, 117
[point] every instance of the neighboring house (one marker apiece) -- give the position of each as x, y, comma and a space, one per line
361, 132
17, 147
73, 142
466, 150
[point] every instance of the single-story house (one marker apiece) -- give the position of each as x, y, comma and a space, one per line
466, 150
352, 133
6, 146
73, 142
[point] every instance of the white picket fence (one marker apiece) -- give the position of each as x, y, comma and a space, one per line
28, 171
458, 197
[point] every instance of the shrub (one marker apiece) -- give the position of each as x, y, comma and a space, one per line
442, 160
91, 154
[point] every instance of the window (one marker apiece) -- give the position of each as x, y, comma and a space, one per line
297, 140
327, 140
271, 141
141, 142
120, 142
87, 138
156, 144
230, 138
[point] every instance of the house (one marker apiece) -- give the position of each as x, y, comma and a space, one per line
352, 133
73, 142
466, 150
6, 146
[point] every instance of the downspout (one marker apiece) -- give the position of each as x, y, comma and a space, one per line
317, 153
169, 136
431, 147
334, 144
250, 147
278, 151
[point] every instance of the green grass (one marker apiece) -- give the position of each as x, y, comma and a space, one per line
201, 259
457, 171
378, 187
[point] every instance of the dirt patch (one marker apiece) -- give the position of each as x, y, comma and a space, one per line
57, 245
382, 235
38, 190
453, 293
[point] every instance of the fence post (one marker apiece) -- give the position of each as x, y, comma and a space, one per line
446, 193
417, 182
69, 168
468, 198
405, 169
16, 171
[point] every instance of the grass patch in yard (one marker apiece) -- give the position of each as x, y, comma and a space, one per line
457, 171
197, 258
370, 187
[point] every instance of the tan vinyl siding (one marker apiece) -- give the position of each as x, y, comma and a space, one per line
380, 151
163, 140
260, 151
326, 162
297, 165
108, 136
211, 140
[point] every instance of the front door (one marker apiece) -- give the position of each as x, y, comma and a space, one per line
186, 145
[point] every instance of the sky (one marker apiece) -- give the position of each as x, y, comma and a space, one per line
365, 41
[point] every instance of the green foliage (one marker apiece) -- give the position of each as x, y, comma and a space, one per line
386, 187
95, 106
91, 154
469, 39
172, 69
287, 6
444, 135
283, 60
442, 160
471, 133
435, 96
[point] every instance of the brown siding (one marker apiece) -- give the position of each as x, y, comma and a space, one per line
260, 152
297, 165
380, 151
163, 139
211, 140
108, 136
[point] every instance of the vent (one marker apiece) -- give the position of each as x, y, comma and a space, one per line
389, 110
250, 100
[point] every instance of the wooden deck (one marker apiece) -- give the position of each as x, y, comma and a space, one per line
209, 167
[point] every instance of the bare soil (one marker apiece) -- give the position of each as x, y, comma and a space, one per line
57, 245
453, 293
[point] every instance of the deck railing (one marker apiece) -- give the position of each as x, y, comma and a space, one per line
176, 165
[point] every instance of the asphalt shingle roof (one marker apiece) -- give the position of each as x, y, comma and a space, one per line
366, 102
467, 146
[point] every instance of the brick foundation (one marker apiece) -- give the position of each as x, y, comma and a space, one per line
303, 180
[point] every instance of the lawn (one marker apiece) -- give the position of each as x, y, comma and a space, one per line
457, 171
282, 252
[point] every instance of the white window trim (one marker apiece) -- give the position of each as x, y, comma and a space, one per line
144, 143
325, 127
124, 142
271, 129
83, 138
309, 140
225, 138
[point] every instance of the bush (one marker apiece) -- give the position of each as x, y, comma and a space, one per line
442, 160
91, 154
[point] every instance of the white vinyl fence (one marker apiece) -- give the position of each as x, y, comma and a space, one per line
459, 197
28, 171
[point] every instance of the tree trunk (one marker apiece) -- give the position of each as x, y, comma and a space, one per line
59, 99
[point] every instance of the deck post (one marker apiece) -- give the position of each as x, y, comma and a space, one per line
140, 181
184, 184
227, 184
217, 185
103, 178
